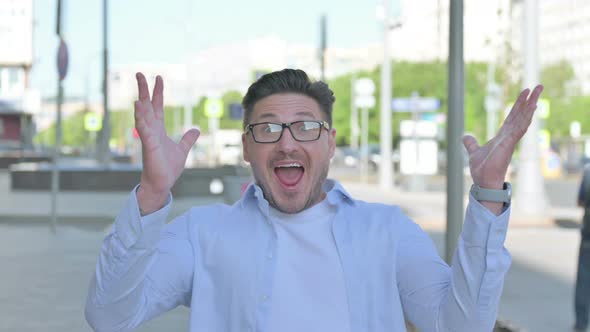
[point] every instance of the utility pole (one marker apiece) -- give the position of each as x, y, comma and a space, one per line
386, 167
455, 128
354, 117
530, 189
62, 68
104, 151
323, 46
188, 104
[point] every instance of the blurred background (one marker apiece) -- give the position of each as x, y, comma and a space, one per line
69, 153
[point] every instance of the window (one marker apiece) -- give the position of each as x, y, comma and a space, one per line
13, 76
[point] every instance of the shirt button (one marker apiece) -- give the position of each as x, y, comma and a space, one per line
264, 297
269, 256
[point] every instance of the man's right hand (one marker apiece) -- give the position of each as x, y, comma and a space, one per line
163, 159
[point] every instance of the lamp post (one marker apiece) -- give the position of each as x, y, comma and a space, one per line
529, 189
386, 174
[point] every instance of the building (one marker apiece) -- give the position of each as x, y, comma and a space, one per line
564, 34
493, 33
235, 66
422, 32
18, 103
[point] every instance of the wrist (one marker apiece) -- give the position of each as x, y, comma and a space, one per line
492, 197
494, 184
149, 200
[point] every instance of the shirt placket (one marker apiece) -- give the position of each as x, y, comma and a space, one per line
268, 266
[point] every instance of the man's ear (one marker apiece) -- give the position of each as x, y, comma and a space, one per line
245, 148
332, 142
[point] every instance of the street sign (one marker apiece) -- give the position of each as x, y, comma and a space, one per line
422, 129
236, 111
418, 157
62, 60
364, 87
213, 108
575, 129
420, 104
92, 122
364, 93
544, 108
364, 101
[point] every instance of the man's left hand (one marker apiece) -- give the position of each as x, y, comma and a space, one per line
489, 163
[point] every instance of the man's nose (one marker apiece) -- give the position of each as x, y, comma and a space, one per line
287, 142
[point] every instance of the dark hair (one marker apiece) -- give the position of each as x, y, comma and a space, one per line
285, 81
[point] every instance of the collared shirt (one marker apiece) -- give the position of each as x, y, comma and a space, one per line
215, 259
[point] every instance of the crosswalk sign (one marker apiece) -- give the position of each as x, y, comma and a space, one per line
213, 107
93, 122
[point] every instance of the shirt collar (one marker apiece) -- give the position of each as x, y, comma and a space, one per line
335, 194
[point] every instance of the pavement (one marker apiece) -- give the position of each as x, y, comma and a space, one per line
45, 274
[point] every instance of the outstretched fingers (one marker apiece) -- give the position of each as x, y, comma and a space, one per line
518, 104
158, 97
470, 144
188, 140
142, 87
521, 115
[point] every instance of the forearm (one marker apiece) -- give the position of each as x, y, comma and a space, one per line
477, 272
115, 295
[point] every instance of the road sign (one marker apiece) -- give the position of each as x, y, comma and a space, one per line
544, 108
423, 129
213, 108
236, 111
364, 93
364, 87
92, 122
421, 104
62, 60
364, 101
418, 157
575, 129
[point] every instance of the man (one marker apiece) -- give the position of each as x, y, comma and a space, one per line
297, 252
582, 294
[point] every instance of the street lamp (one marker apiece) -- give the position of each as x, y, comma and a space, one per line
386, 167
529, 189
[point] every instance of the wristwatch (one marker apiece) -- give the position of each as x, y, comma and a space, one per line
492, 195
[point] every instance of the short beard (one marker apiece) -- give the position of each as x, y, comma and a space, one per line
316, 192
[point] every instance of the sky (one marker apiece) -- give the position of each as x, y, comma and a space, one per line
153, 31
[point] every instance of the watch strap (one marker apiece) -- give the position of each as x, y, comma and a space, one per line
492, 195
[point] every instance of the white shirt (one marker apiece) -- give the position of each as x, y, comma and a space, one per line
308, 270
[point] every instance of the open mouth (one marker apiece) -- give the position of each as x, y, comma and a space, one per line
289, 174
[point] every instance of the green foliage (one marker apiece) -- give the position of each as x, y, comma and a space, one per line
555, 79
565, 111
75, 135
428, 79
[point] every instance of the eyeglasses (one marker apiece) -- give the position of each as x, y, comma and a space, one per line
302, 131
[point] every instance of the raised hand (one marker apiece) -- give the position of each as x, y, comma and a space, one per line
163, 159
489, 163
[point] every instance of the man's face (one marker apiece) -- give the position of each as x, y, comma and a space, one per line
290, 173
